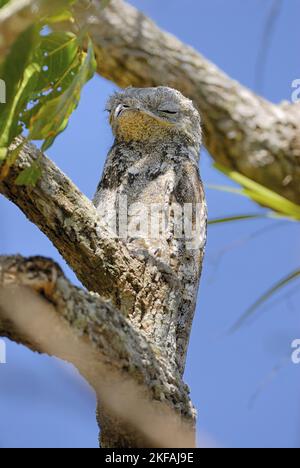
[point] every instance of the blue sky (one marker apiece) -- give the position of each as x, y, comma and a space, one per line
44, 403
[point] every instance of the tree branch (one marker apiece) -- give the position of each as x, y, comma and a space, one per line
40, 309
242, 130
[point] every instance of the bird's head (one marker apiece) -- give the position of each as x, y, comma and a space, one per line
154, 114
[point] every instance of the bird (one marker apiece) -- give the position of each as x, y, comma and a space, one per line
151, 194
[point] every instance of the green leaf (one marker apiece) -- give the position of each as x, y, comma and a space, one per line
230, 219
11, 127
263, 195
264, 298
39, 99
20, 74
56, 53
225, 188
48, 143
53, 117
59, 56
30, 175
44, 75
12, 70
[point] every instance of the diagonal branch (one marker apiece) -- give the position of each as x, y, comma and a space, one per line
71, 222
42, 310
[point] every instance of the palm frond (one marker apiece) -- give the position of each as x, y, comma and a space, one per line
243, 217
262, 195
286, 281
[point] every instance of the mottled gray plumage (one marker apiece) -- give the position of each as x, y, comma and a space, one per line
154, 163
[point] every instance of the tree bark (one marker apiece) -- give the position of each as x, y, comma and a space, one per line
40, 309
242, 131
145, 291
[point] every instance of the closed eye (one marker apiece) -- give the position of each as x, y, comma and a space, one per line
166, 111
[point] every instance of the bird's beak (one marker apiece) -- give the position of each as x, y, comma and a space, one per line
118, 111
121, 108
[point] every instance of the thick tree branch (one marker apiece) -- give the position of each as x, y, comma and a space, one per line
74, 325
71, 222
242, 130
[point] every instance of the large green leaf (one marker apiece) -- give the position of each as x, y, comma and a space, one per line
44, 75
38, 69
19, 72
35, 66
56, 53
53, 117
38, 100
68, 69
59, 55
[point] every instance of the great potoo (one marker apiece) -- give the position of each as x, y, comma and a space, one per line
151, 195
